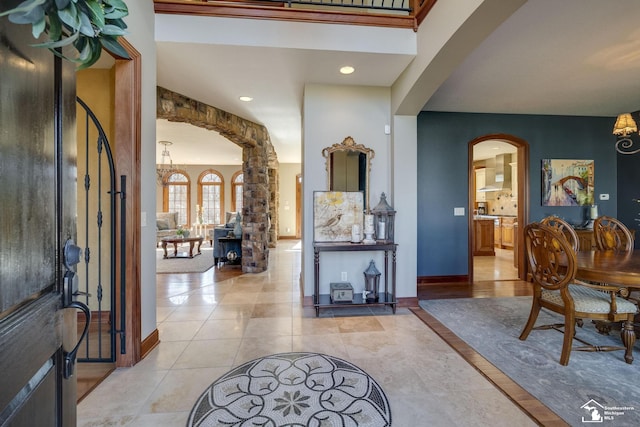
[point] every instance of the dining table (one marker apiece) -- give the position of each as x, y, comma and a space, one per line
611, 267
614, 267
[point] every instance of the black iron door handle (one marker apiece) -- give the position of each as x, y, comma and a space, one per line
70, 357
72, 254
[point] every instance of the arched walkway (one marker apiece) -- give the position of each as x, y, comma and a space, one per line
259, 165
522, 155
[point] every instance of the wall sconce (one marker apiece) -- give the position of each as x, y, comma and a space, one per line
624, 126
384, 217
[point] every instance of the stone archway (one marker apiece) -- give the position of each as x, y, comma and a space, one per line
259, 165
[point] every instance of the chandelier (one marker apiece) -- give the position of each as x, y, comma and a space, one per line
165, 167
625, 125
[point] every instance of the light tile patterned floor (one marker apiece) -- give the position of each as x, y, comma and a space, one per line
206, 329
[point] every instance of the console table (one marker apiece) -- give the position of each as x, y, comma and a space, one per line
385, 298
227, 245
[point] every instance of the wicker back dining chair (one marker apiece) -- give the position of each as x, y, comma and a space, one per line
612, 234
553, 265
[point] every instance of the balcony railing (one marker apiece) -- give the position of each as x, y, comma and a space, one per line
387, 5
383, 13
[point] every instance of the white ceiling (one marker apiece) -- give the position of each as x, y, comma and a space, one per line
491, 148
564, 57
194, 145
569, 57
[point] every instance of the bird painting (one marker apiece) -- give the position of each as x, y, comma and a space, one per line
331, 222
334, 214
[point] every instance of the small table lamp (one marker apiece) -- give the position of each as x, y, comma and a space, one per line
593, 214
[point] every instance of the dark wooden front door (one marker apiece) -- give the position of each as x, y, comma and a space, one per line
37, 216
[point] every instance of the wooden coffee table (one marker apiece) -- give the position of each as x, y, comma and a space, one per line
177, 239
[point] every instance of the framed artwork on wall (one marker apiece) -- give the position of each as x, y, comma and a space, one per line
567, 182
334, 214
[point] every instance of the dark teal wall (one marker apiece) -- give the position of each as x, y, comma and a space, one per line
629, 186
443, 140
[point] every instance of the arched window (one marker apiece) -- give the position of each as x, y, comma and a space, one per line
211, 196
237, 186
175, 196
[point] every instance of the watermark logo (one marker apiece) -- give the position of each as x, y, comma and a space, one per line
597, 413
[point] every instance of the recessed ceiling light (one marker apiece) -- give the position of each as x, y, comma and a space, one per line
347, 69
246, 98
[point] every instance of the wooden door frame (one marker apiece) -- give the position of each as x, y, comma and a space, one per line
127, 148
298, 206
523, 194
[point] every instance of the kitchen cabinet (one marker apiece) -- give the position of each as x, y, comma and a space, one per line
481, 196
506, 230
483, 237
503, 232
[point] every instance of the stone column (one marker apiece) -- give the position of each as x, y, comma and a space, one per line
255, 238
274, 203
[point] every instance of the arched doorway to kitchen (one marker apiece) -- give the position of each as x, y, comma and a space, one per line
513, 164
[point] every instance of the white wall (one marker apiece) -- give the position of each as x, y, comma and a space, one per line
330, 114
287, 188
405, 184
141, 35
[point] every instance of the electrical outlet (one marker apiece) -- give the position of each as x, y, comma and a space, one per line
604, 196
343, 276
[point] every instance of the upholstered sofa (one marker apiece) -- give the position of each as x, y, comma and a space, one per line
166, 225
223, 231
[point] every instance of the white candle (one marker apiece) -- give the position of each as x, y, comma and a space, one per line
594, 212
381, 230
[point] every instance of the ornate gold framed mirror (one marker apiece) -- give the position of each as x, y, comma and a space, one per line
348, 167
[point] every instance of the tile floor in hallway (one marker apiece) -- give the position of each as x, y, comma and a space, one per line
207, 328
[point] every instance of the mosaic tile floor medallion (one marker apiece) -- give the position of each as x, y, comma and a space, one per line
293, 389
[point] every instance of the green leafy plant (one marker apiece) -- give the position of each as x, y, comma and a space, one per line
88, 25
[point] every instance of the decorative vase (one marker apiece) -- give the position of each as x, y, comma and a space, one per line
368, 230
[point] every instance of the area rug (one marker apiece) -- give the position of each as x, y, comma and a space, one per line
293, 389
197, 264
592, 381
